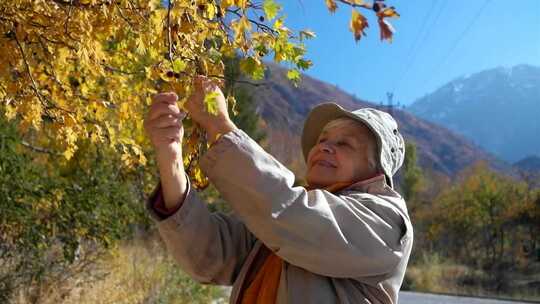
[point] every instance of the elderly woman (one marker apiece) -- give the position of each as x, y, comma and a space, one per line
344, 239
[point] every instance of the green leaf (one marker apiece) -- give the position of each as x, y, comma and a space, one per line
304, 64
296, 52
179, 65
294, 76
253, 68
214, 55
271, 9
210, 100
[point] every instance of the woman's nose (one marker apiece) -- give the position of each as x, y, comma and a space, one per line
326, 147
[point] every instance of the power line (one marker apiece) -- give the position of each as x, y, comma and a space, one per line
414, 44
422, 43
471, 23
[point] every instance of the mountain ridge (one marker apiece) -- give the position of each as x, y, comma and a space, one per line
497, 109
283, 109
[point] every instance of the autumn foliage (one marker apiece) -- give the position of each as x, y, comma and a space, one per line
74, 69
484, 223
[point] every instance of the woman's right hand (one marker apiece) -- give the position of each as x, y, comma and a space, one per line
163, 125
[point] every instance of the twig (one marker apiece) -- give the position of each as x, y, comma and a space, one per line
113, 69
38, 149
230, 79
262, 26
238, 81
66, 25
45, 103
58, 42
362, 5
28, 70
78, 3
169, 5
126, 19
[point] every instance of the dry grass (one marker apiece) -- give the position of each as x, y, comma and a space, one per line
138, 271
431, 273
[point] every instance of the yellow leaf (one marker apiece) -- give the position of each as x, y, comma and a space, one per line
210, 11
331, 4
227, 3
388, 12
11, 112
231, 102
69, 152
241, 3
358, 24
210, 100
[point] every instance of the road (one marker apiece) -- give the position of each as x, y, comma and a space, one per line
406, 297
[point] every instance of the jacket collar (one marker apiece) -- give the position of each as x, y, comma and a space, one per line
374, 185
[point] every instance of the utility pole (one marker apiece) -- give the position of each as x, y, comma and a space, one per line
390, 97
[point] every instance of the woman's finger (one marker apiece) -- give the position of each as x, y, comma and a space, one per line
166, 120
166, 97
160, 108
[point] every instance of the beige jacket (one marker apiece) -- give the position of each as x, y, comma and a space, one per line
349, 247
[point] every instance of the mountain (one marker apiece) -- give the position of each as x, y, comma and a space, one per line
284, 108
530, 164
497, 109
529, 170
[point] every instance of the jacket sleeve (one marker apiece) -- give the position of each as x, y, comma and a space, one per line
210, 247
351, 235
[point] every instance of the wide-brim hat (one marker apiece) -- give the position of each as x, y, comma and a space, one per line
390, 143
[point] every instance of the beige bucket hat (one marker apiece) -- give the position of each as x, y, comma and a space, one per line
390, 143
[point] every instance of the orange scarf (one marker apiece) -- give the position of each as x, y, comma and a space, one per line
263, 289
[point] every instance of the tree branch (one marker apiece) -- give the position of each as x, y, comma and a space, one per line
362, 5
255, 84
38, 149
28, 70
262, 26
66, 25
169, 6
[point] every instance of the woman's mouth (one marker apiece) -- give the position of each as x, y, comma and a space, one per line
324, 163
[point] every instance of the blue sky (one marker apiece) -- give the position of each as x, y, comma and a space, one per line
436, 41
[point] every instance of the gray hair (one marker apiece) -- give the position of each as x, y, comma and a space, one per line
373, 161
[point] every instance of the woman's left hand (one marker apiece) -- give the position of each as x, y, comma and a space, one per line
215, 124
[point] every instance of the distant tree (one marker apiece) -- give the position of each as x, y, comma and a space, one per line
475, 220
54, 215
412, 182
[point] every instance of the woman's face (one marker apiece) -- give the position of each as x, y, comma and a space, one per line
342, 154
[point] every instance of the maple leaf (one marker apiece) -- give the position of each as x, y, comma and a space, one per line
386, 29
331, 4
358, 24
388, 12
210, 100
271, 9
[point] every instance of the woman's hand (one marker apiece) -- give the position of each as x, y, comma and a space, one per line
214, 124
163, 125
